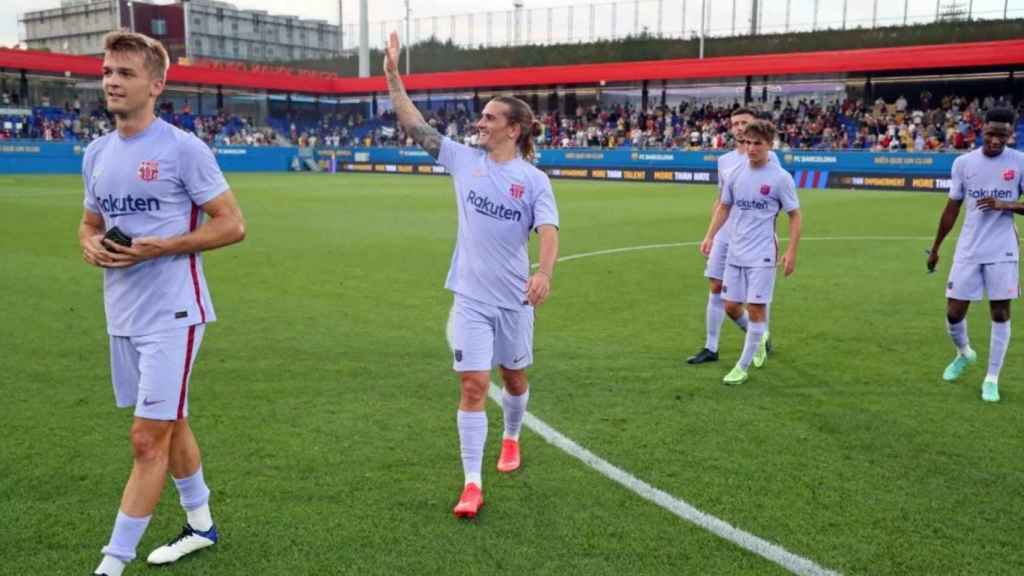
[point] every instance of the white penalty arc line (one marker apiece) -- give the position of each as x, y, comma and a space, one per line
794, 563
697, 243
763, 548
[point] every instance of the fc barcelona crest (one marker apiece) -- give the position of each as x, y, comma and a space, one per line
765, 189
1009, 175
149, 170
516, 191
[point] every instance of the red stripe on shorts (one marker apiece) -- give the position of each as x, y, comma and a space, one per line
185, 373
193, 268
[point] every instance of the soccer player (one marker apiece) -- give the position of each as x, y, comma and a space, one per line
500, 198
153, 182
757, 191
714, 270
990, 181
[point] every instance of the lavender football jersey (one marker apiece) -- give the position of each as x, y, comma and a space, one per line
987, 236
756, 196
499, 203
727, 165
152, 184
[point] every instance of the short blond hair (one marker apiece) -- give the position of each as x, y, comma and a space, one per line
154, 55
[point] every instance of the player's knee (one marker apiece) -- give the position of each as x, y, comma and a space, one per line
733, 309
149, 443
1000, 315
474, 389
515, 381
716, 286
955, 316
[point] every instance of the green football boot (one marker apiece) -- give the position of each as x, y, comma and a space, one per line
735, 376
958, 365
761, 355
990, 391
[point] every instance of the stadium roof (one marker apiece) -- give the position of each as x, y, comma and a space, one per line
907, 58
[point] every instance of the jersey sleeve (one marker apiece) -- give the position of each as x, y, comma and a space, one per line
89, 203
721, 176
956, 182
727, 191
545, 211
454, 156
200, 173
787, 193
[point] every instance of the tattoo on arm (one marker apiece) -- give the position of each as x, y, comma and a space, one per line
427, 137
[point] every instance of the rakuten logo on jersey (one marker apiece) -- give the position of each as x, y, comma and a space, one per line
753, 204
126, 205
487, 207
991, 193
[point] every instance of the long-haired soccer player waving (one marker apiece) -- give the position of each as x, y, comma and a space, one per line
500, 197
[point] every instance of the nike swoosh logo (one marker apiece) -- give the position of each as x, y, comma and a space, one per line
148, 402
518, 360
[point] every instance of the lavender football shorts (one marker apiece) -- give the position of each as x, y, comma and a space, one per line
999, 280
152, 372
748, 285
482, 335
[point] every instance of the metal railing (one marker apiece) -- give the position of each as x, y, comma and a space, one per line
590, 21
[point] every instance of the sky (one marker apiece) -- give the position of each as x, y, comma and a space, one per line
609, 17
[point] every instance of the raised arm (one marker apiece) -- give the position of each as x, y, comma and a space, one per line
946, 223
408, 116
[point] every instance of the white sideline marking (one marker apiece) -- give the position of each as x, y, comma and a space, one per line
771, 552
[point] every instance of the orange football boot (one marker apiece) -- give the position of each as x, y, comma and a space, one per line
509, 459
470, 502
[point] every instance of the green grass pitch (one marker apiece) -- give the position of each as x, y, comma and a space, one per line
325, 405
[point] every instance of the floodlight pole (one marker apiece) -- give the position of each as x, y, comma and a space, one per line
364, 39
341, 27
703, 8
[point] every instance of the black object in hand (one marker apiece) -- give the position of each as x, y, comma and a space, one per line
116, 236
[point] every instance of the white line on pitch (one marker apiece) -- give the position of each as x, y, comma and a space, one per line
772, 552
767, 550
682, 244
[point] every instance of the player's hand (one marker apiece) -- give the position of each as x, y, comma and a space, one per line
705, 246
144, 248
990, 203
391, 54
933, 260
537, 288
95, 252
788, 264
